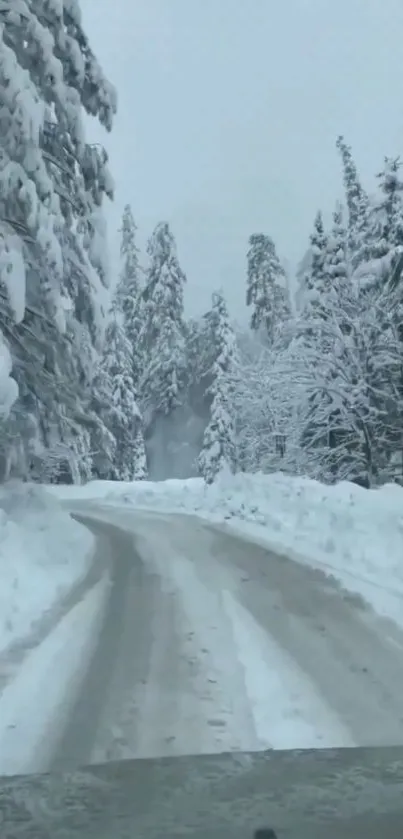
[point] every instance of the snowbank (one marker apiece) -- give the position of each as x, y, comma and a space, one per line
354, 534
43, 553
28, 741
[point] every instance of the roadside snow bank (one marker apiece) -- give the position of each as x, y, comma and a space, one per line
354, 534
43, 553
28, 740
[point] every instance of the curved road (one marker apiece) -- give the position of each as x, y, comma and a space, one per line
203, 637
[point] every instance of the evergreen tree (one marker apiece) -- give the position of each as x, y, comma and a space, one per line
219, 443
199, 351
357, 204
390, 208
328, 403
378, 260
336, 256
51, 188
162, 343
127, 298
266, 290
337, 270
327, 282
386, 218
302, 279
316, 278
122, 416
354, 191
103, 442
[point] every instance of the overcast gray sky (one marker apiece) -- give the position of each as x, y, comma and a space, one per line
228, 115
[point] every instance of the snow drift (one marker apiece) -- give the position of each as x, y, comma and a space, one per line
43, 553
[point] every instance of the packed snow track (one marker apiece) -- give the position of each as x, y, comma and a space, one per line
212, 644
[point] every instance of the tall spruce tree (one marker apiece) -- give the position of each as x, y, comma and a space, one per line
122, 416
358, 206
337, 269
219, 443
266, 292
316, 277
52, 184
127, 297
127, 300
162, 341
379, 257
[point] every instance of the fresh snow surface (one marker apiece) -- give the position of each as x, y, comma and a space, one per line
246, 692
36, 703
287, 711
353, 534
43, 553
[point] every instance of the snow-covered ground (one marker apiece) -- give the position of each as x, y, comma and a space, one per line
250, 685
353, 534
43, 553
36, 703
356, 535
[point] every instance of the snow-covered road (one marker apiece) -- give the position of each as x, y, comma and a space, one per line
211, 644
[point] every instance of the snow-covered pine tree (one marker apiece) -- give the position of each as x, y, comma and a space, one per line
313, 333
355, 195
121, 413
386, 217
380, 258
302, 277
381, 279
316, 277
255, 410
193, 416
332, 396
344, 368
349, 399
336, 256
199, 352
390, 208
127, 298
52, 183
266, 289
219, 441
162, 343
103, 442
358, 206
194, 345
337, 269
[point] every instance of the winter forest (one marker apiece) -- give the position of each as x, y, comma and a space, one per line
314, 386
